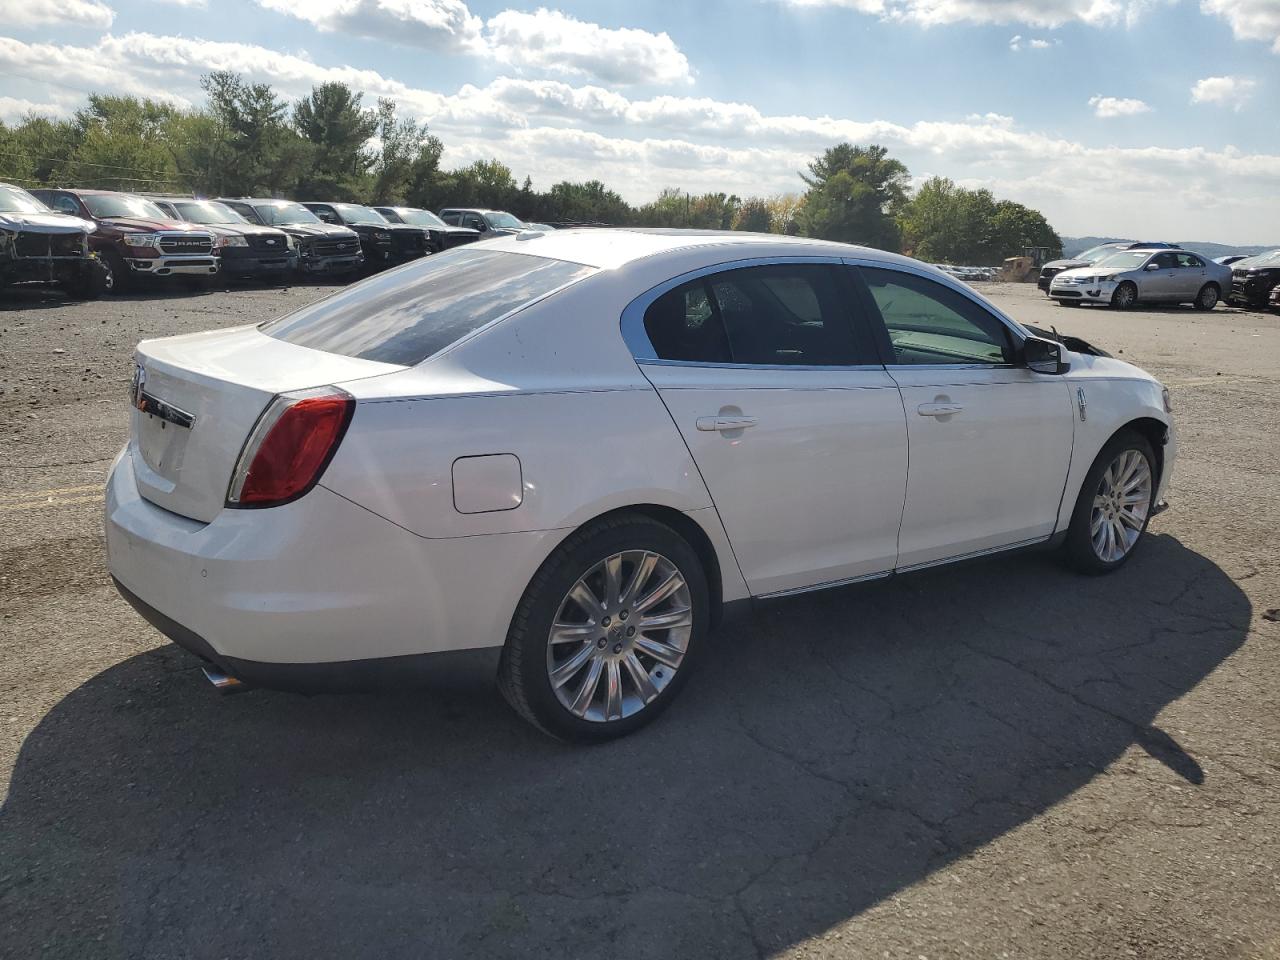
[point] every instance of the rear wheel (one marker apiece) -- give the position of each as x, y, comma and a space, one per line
1114, 505
1207, 298
606, 633
1126, 296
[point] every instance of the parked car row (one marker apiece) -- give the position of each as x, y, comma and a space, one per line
969, 274
1122, 274
94, 241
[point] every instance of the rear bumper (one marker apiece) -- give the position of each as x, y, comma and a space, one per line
318, 594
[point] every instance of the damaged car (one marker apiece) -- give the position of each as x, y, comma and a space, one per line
41, 245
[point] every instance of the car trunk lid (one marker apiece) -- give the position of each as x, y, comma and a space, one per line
197, 397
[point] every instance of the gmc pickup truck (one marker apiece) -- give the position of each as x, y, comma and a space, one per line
322, 247
136, 240
40, 245
440, 236
385, 244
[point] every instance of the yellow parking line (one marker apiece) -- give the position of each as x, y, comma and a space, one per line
48, 502
62, 491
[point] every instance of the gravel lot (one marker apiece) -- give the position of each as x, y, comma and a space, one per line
996, 760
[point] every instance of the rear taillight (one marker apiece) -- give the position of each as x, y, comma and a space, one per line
290, 446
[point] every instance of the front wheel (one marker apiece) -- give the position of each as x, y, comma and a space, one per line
1114, 505
1126, 296
606, 632
1207, 298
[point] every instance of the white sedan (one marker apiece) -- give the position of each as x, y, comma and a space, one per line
565, 456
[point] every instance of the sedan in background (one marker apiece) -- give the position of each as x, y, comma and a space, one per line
245, 250
1130, 277
1254, 280
1092, 256
440, 235
394, 480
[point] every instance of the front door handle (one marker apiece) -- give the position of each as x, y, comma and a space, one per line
938, 409
710, 424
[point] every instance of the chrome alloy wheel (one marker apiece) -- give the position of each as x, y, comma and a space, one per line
1125, 296
1120, 506
619, 636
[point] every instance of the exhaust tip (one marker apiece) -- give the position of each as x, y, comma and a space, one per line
223, 682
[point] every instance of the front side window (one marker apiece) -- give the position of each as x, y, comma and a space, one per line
781, 314
1166, 261
932, 324
503, 221
474, 222
1189, 261
410, 314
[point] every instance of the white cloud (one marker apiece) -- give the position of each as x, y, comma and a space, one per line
546, 40
1249, 19
1019, 42
13, 109
1117, 106
554, 130
34, 13
1036, 13
1229, 91
433, 24
550, 41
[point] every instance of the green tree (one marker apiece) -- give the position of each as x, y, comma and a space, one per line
853, 195
946, 223
244, 145
401, 142
124, 144
754, 215
332, 120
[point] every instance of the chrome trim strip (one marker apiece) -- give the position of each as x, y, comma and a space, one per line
793, 591
878, 368
974, 554
155, 407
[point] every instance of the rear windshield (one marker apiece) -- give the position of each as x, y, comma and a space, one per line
415, 312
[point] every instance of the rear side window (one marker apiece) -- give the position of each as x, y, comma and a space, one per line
778, 315
410, 314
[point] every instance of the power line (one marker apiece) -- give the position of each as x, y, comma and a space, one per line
83, 163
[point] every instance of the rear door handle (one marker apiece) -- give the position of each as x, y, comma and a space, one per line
710, 424
938, 409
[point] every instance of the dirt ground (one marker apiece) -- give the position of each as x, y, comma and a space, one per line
996, 760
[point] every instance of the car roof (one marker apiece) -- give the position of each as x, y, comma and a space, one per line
253, 199
614, 247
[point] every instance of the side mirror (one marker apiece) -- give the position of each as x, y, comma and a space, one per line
1152, 266
1043, 356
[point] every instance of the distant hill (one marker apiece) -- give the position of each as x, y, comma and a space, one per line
1073, 245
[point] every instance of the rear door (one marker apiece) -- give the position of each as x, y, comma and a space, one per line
797, 429
1192, 275
990, 442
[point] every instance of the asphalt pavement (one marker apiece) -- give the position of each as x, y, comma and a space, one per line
1001, 759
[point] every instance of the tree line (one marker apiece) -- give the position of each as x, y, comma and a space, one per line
247, 140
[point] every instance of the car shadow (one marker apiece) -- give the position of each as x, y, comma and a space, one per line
832, 750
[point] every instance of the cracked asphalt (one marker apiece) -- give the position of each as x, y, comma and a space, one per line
995, 760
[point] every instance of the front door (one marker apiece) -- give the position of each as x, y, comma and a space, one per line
797, 429
1162, 283
990, 442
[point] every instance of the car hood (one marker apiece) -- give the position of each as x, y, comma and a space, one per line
46, 223
1064, 264
240, 230
1092, 272
151, 225
1085, 366
317, 230
466, 231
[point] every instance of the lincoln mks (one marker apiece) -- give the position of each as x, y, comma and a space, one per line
567, 455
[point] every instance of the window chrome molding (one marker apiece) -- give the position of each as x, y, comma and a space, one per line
715, 365
637, 340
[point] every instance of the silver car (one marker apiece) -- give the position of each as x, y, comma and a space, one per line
1128, 277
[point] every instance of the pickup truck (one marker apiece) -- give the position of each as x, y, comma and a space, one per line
136, 240
490, 223
245, 249
322, 248
385, 244
39, 244
440, 236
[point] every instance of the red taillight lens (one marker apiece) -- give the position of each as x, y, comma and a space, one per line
292, 443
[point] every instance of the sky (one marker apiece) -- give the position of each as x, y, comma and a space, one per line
1154, 119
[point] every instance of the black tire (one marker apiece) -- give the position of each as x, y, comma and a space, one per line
1208, 297
118, 278
523, 674
1079, 544
1126, 296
